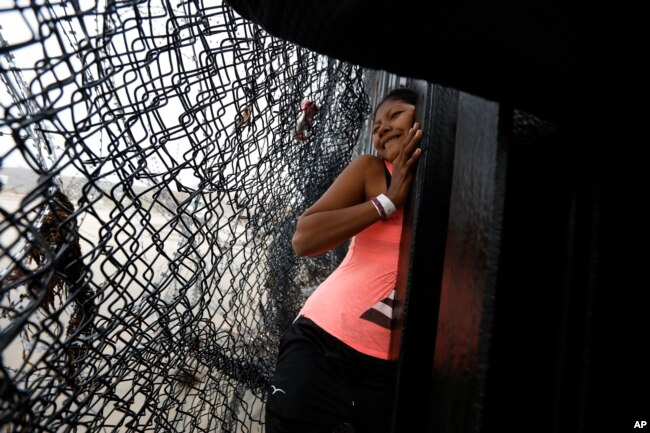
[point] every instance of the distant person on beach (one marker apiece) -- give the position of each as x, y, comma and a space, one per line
333, 371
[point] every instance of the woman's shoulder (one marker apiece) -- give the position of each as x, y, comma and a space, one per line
368, 170
367, 162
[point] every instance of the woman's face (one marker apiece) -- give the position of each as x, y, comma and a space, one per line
393, 120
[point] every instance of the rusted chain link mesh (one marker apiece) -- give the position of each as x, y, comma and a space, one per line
154, 157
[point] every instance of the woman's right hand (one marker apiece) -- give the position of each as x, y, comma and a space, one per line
404, 167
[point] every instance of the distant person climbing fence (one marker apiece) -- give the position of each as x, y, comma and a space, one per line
154, 158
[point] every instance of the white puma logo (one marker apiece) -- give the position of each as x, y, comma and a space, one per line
277, 390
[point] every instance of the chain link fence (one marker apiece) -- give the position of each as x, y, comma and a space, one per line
154, 157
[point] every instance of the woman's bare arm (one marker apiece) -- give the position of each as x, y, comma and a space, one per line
340, 213
344, 210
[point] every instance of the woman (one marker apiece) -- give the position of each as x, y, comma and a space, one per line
333, 372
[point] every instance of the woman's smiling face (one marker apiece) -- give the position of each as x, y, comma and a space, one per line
393, 119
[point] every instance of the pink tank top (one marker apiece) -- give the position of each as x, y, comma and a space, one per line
355, 303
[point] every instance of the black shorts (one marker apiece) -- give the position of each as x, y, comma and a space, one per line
323, 385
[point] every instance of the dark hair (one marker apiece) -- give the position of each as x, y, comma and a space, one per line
403, 94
